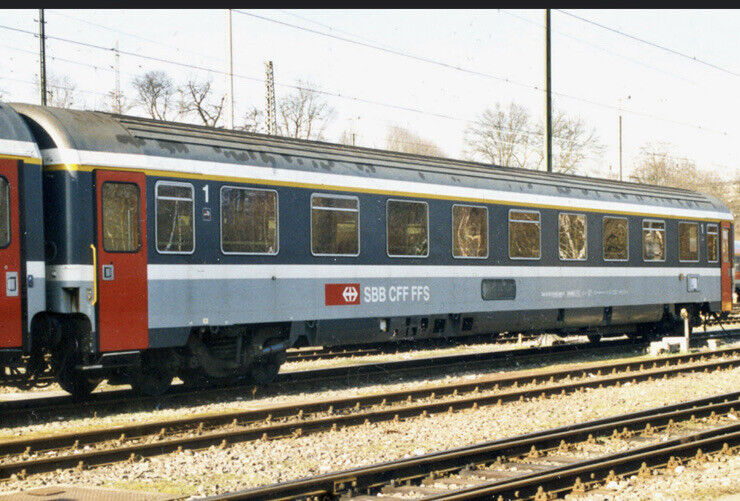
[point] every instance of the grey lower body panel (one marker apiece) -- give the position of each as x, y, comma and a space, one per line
412, 307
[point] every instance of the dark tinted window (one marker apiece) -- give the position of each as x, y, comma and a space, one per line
121, 217
616, 241
335, 225
524, 234
4, 212
175, 223
249, 220
408, 228
688, 241
469, 231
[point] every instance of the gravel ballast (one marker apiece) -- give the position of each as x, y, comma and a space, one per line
257, 463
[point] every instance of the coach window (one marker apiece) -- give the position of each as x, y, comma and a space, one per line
335, 225
524, 234
616, 239
712, 241
4, 212
653, 240
572, 237
469, 231
407, 228
688, 242
175, 225
249, 221
121, 217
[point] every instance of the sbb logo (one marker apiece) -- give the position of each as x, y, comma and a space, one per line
341, 294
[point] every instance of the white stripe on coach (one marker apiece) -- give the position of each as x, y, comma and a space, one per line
84, 272
349, 272
36, 268
19, 148
203, 167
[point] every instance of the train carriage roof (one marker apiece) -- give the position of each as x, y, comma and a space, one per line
15, 137
105, 132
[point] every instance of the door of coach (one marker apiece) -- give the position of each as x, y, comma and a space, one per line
11, 306
726, 267
122, 298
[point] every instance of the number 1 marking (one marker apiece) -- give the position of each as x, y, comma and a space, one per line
205, 190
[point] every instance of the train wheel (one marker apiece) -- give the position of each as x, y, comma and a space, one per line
264, 371
76, 383
64, 359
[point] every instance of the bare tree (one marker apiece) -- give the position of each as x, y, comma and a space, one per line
61, 91
657, 165
117, 102
254, 121
403, 140
197, 98
155, 91
511, 138
501, 137
304, 113
348, 137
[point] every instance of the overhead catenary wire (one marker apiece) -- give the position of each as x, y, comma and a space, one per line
262, 80
650, 43
345, 96
475, 72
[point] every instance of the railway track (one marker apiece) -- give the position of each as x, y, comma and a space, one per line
311, 354
25, 456
538, 465
35, 409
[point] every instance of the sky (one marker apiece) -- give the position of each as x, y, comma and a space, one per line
461, 63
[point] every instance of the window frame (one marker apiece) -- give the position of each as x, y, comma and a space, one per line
452, 231
221, 221
603, 256
665, 243
156, 214
539, 229
716, 233
698, 247
102, 219
310, 221
10, 219
387, 229
585, 237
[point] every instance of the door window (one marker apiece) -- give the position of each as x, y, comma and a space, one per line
121, 217
725, 245
4, 212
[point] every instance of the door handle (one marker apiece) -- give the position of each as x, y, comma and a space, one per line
94, 298
11, 283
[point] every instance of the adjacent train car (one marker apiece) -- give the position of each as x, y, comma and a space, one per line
179, 250
22, 267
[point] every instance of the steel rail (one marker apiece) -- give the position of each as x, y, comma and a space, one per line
37, 406
34, 408
565, 477
258, 430
371, 478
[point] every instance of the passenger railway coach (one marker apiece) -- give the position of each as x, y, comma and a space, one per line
153, 249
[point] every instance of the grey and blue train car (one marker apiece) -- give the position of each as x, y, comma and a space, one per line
174, 249
22, 285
